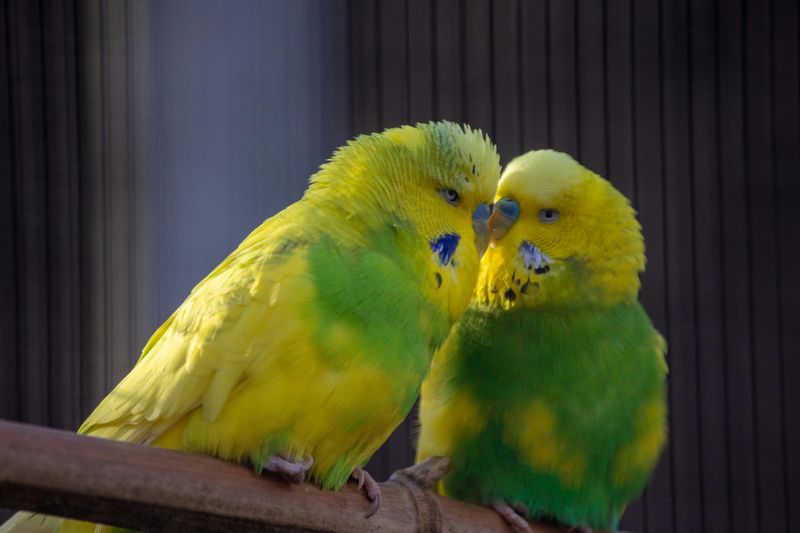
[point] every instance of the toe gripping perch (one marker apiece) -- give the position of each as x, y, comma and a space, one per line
418, 481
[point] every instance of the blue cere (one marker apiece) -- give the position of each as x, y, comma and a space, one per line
445, 245
481, 213
508, 207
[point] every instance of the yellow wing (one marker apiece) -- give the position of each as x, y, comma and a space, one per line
201, 353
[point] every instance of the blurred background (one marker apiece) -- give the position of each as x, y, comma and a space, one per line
140, 141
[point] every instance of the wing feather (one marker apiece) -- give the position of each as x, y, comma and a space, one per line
202, 351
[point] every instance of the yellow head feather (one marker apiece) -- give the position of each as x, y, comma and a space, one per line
576, 239
397, 178
402, 171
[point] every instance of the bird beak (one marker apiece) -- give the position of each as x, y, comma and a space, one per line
506, 212
481, 237
480, 224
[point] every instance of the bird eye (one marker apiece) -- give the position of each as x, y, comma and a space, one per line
450, 196
548, 215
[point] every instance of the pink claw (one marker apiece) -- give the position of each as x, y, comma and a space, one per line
373, 489
512, 517
359, 474
293, 472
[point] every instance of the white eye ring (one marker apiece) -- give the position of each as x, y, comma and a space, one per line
450, 196
548, 215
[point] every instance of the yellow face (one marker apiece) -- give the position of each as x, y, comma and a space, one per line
561, 235
432, 185
454, 175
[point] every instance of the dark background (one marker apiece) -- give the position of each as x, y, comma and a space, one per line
141, 141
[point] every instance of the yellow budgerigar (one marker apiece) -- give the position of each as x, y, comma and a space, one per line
305, 348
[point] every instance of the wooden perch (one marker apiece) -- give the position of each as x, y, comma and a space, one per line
151, 489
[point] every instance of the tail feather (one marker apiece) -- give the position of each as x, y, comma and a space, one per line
27, 522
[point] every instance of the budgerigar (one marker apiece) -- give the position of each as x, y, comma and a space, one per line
305, 348
549, 396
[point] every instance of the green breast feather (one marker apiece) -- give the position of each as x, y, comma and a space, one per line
371, 293
367, 296
574, 403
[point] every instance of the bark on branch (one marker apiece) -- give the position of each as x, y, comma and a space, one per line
151, 489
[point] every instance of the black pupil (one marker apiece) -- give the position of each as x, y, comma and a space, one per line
549, 213
451, 194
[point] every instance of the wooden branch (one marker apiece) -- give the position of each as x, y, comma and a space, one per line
152, 489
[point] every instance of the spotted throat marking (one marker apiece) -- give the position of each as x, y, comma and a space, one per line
534, 259
445, 246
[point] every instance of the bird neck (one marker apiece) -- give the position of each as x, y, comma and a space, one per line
505, 283
555, 342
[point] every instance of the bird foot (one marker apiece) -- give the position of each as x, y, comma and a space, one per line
291, 471
426, 473
513, 517
373, 490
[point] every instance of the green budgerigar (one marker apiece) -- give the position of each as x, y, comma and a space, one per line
549, 395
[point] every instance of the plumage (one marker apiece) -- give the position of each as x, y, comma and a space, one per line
313, 337
549, 396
